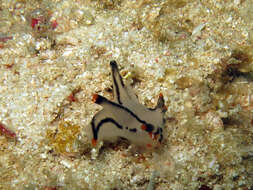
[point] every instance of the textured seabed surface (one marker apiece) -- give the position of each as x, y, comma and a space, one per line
55, 54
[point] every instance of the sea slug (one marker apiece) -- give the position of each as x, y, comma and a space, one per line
125, 117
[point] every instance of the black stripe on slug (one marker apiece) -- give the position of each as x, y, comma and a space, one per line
100, 99
150, 127
95, 130
109, 120
161, 135
116, 89
161, 130
114, 65
115, 71
134, 130
157, 131
161, 138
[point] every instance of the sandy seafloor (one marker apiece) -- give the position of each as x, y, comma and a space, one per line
55, 54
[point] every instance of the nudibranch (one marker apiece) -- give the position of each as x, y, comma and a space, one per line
125, 117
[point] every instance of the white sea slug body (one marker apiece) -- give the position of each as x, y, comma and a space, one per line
125, 117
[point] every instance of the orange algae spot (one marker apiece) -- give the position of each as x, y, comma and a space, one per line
94, 97
34, 22
141, 158
5, 38
41, 22
72, 98
54, 24
64, 138
6, 132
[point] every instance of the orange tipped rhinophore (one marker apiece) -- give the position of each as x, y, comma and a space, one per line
94, 142
164, 108
94, 97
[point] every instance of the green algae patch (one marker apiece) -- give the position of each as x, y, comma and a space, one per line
63, 140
